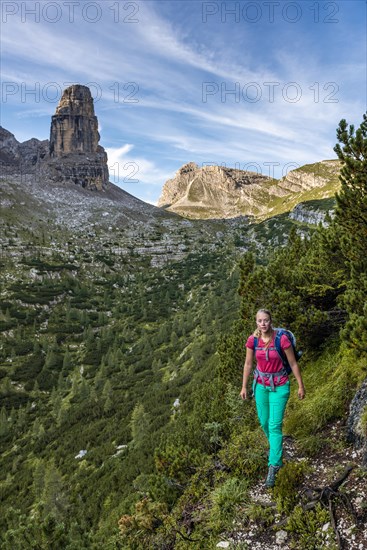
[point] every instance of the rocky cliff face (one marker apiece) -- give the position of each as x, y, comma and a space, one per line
21, 158
216, 191
356, 424
74, 126
72, 155
75, 155
9, 150
308, 177
305, 214
212, 191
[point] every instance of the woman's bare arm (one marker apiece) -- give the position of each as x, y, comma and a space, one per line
296, 371
246, 371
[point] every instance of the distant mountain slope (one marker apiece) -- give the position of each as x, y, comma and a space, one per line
220, 192
212, 191
28, 197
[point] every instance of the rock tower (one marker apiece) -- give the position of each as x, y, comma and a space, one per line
74, 126
75, 155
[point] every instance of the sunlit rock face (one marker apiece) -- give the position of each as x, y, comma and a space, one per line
74, 126
223, 192
75, 153
212, 191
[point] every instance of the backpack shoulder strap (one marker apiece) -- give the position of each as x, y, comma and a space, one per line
278, 335
256, 341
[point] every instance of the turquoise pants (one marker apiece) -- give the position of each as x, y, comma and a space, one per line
270, 407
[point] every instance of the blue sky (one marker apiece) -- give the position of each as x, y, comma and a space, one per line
259, 85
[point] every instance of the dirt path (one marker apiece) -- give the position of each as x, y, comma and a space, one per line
323, 470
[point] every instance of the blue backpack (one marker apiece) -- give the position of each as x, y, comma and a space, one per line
282, 355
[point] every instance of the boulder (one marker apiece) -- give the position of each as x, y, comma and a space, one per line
356, 429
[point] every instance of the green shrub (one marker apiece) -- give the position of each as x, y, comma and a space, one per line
330, 384
286, 489
263, 516
245, 454
225, 499
307, 526
311, 445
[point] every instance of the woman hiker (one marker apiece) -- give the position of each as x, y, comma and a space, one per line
270, 386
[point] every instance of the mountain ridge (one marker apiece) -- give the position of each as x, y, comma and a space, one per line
217, 191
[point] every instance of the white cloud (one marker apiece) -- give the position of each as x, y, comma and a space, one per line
127, 170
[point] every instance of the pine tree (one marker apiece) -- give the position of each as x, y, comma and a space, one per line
51, 358
67, 362
37, 429
6, 386
4, 424
56, 401
351, 219
36, 347
107, 390
36, 388
38, 478
84, 391
22, 419
139, 424
351, 213
53, 495
61, 382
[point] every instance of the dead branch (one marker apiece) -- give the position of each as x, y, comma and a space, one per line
334, 524
265, 504
326, 496
335, 486
185, 537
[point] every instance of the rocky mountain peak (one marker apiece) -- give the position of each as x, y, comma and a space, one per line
210, 191
76, 100
216, 191
189, 167
21, 158
9, 150
75, 153
74, 126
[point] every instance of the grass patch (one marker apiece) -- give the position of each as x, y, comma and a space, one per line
330, 381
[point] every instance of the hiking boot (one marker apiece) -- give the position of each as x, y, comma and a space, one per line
272, 472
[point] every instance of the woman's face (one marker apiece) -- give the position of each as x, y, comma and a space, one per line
263, 322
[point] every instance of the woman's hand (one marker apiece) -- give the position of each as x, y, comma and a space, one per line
243, 393
301, 391
297, 373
